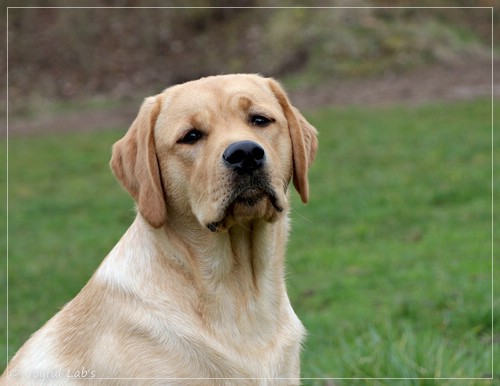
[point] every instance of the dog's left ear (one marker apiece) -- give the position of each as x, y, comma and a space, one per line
135, 165
304, 140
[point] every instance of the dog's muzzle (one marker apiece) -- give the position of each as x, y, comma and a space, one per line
251, 185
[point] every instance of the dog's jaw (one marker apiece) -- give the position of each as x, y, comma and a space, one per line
231, 199
249, 204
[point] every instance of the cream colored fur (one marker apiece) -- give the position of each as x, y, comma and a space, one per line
194, 292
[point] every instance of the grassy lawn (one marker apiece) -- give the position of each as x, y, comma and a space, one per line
389, 266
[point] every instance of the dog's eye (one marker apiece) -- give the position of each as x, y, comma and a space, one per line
191, 137
259, 120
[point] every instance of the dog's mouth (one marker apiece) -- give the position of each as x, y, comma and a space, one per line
250, 196
247, 202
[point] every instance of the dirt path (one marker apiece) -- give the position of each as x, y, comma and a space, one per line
462, 81
466, 80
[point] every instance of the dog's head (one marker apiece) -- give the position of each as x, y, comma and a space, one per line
222, 149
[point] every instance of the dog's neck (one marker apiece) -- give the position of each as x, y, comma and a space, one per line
244, 262
236, 278
223, 258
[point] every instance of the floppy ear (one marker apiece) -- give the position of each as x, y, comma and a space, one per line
135, 165
304, 141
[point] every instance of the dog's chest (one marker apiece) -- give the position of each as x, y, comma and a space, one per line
253, 350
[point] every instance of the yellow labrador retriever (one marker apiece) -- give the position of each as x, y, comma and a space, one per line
194, 292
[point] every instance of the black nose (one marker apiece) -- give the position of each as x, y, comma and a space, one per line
244, 156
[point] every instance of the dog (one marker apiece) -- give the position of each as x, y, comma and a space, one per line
194, 292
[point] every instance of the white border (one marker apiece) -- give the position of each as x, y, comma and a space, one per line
492, 197
7, 195
362, 378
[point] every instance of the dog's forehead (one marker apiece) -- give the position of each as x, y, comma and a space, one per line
220, 92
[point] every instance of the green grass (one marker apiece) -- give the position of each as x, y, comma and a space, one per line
389, 266
397, 282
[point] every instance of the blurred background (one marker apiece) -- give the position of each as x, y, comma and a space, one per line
323, 56
397, 282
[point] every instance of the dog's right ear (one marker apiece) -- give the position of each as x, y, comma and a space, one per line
135, 165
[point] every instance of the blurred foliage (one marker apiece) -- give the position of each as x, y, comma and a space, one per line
66, 53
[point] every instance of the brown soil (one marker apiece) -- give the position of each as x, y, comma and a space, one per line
462, 81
